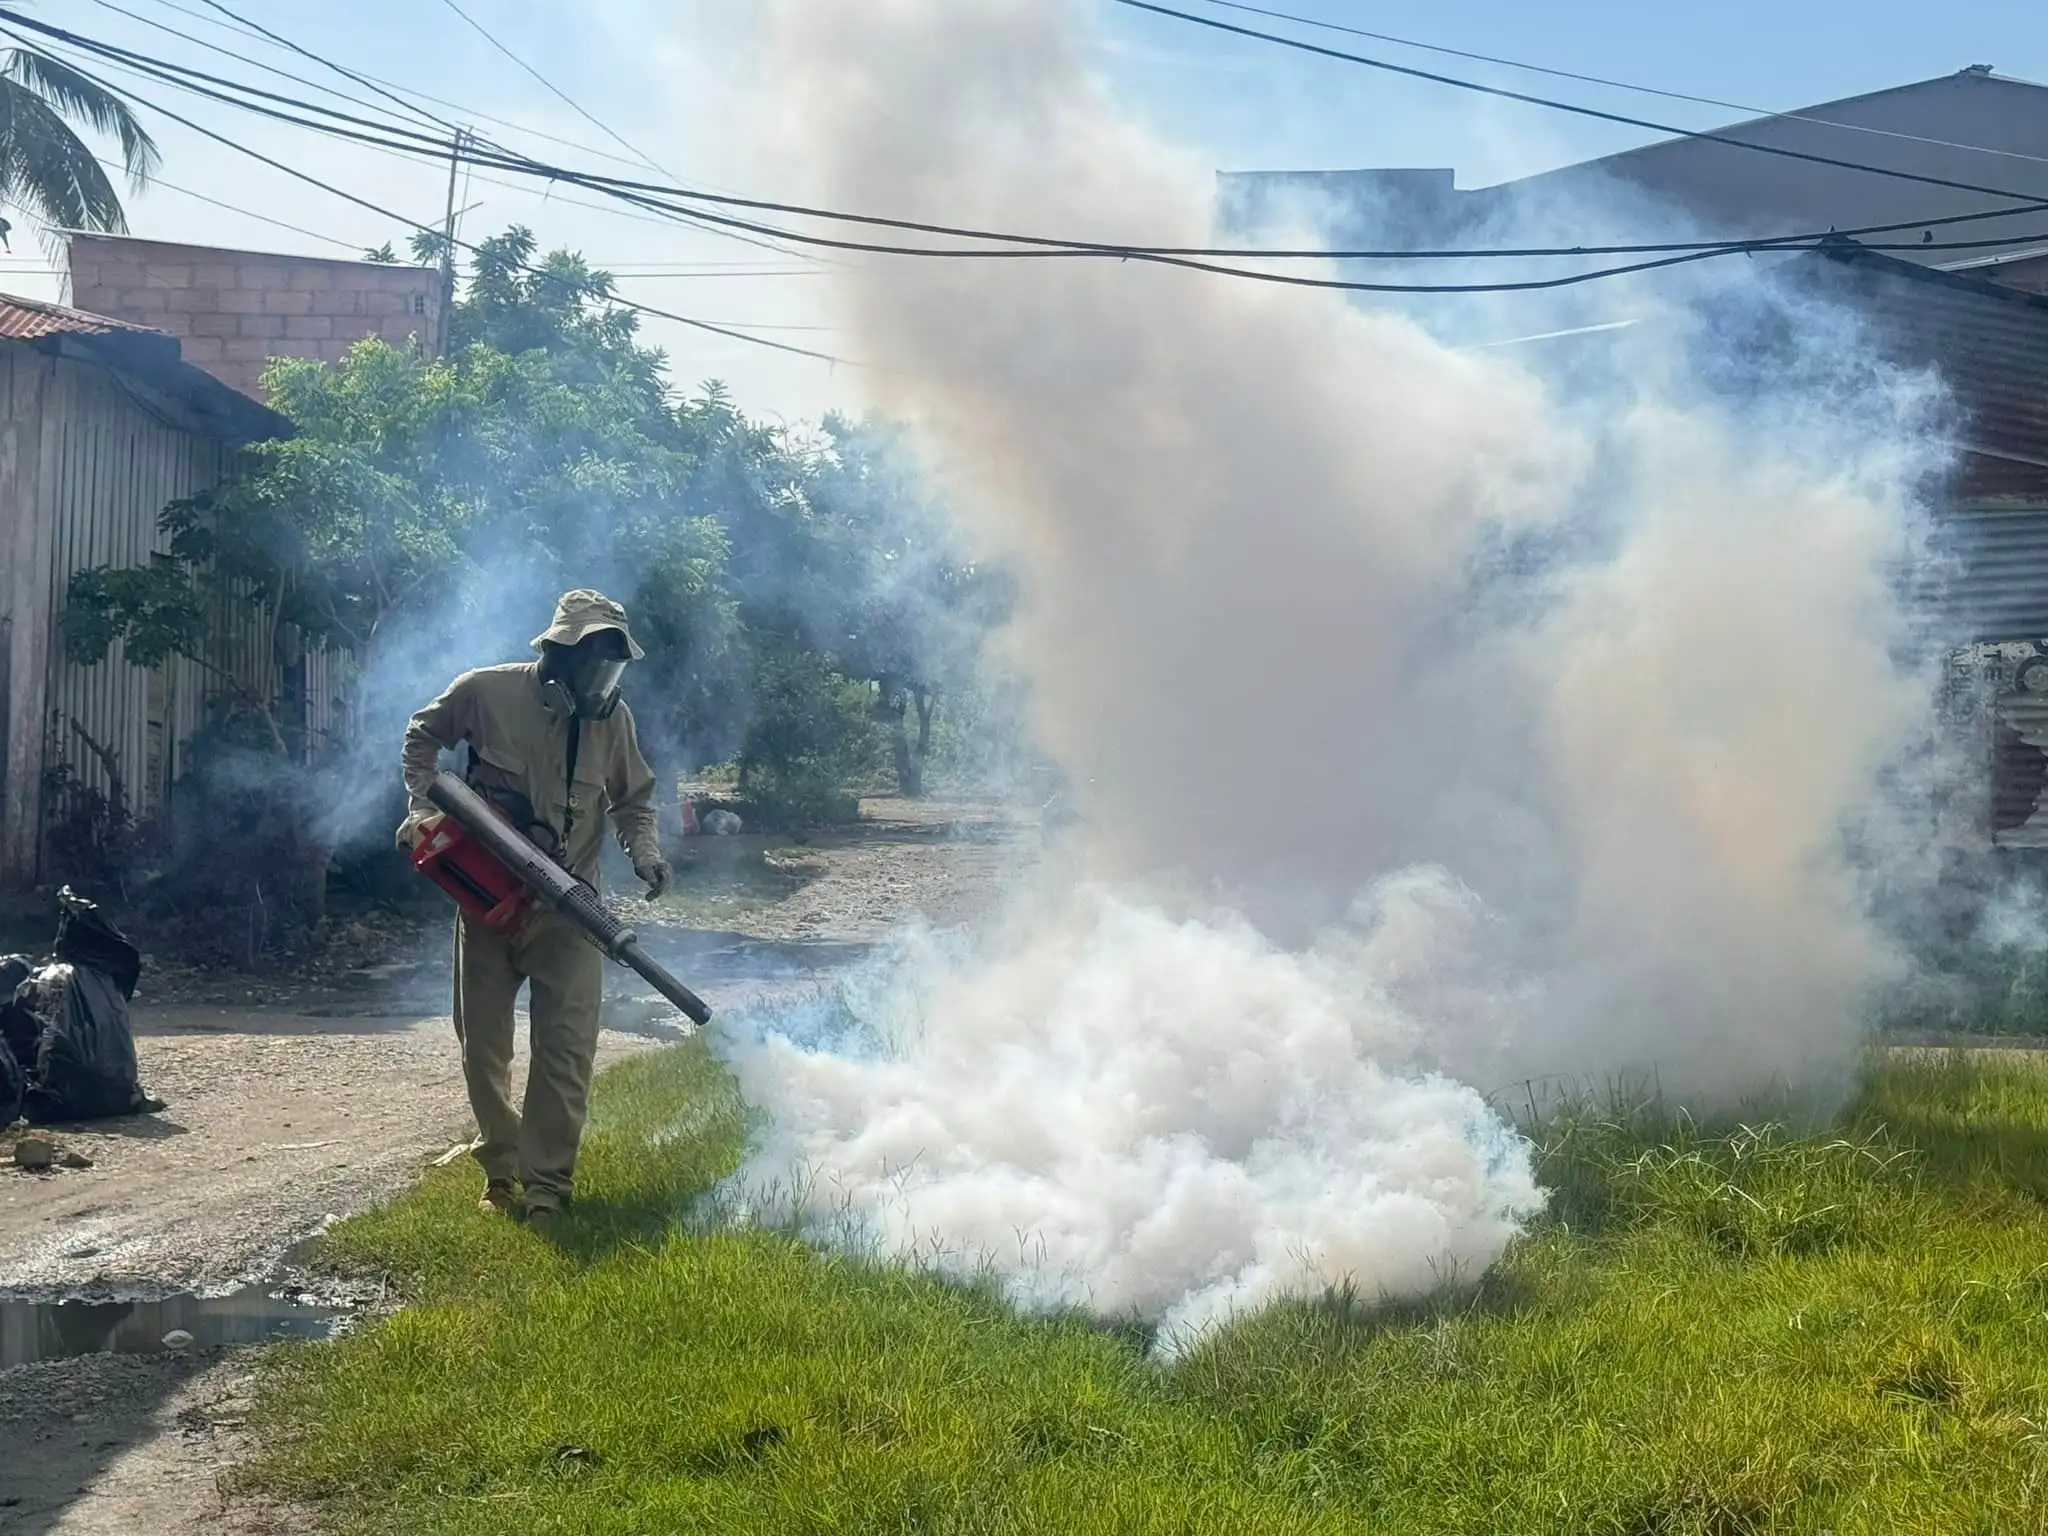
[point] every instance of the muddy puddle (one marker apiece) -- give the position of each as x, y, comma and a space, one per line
33, 1330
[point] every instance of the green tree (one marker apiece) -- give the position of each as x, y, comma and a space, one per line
789, 585
45, 167
915, 610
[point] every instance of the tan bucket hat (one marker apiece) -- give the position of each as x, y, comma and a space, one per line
584, 612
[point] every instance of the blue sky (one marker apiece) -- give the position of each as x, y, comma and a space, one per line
641, 65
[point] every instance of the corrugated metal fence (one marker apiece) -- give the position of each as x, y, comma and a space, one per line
110, 469
1994, 583
112, 466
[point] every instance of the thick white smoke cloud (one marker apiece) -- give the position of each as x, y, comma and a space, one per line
1582, 694
1169, 1119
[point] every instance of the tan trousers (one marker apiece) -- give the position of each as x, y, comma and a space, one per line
538, 1147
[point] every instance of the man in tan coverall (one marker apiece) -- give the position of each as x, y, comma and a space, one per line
551, 744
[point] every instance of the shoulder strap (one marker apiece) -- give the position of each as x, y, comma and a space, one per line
569, 813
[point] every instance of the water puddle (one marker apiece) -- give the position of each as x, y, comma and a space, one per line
58, 1330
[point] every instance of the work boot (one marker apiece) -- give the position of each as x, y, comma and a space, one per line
545, 1220
501, 1198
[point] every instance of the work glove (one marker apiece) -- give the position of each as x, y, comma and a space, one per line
656, 873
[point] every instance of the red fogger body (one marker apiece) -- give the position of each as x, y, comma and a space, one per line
468, 871
501, 879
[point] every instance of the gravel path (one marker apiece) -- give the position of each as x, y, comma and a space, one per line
276, 1122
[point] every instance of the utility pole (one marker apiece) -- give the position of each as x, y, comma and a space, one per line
443, 322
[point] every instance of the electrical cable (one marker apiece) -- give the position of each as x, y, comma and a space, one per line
398, 138
247, 213
342, 70
1620, 85
558, 93
399, 218
1287, 279
285, 42
667, 218
575, 106
1413, 73
1018, 246
164, 70
413, 92
243, 58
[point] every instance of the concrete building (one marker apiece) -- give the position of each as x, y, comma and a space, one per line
232, 311
101, 424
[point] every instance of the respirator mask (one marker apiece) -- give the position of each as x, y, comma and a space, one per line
583, 679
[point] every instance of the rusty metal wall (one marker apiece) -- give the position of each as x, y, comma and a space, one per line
241, 658
1994, 582
109, 467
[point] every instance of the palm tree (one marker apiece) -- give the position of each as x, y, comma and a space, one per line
45, 167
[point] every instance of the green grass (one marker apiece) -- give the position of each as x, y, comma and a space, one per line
1716, 1331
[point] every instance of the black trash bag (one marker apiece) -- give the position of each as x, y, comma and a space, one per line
85, 1051
17, 1039
13, 1083
85, 937
17, 1028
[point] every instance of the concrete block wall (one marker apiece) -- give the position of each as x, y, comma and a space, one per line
232, 311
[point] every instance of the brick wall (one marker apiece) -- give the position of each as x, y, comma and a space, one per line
232, 311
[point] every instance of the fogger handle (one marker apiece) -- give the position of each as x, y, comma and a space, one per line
573, 898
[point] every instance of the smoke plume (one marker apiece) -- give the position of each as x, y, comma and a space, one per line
1432, 715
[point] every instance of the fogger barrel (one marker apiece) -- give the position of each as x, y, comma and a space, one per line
552, 884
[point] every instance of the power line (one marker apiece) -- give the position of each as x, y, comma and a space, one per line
1014, 246
254, 63
369, 82
383, 212
1282, 278
412, 92
560, 95
1413, 73
346, 73
398, 138
566, 99
249, 213
1528, 285
670, 217
1619, 85
468, 112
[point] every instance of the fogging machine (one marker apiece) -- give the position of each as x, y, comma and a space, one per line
500, 878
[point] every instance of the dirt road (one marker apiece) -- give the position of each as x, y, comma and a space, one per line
293, 1103
276, 1122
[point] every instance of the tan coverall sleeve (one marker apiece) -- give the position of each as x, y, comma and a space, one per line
631, 793
434, 729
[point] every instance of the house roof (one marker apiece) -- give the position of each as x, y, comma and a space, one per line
1843, 113
149, 364
32, 320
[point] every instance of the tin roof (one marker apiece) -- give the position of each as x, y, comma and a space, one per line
149, 359
33, 320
